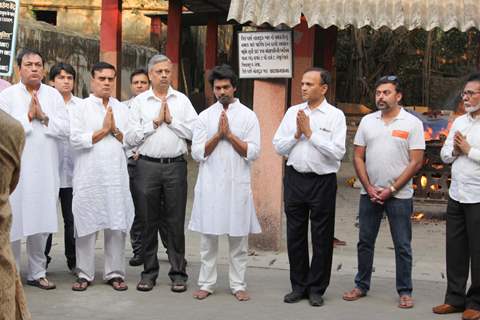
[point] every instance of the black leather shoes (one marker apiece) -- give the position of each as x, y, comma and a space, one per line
294, 297
316, 300
136, 260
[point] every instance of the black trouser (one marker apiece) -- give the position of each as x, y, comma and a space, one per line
136, 232
155, 181
463, 253
308, 195
66, 195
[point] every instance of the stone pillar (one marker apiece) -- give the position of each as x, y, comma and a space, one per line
111, 38
269, 103
211, 45
174, 31
304, 44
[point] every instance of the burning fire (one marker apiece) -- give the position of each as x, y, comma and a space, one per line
417, 216
439, 135
423, 181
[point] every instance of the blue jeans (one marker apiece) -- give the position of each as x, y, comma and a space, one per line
370, 216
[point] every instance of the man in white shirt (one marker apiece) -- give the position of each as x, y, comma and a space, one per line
101, 197
389, 146
226, 140
312, 137
41, 111
462, 149
160, 123
62, 77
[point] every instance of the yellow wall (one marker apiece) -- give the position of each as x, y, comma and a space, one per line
84, 16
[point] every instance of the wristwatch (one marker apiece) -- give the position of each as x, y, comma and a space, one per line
392, 189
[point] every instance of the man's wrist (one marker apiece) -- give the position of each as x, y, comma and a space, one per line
392, 189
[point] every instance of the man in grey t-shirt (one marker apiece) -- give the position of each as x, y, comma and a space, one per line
389, 147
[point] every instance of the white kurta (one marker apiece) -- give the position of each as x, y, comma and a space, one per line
34, 201
65, 152
101, 194
223, 202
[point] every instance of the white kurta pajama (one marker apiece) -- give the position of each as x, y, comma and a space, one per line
101, 194
34, 201
223, 202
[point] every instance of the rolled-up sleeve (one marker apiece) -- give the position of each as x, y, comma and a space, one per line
80, 137
331, 144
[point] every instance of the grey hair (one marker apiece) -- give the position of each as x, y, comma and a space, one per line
157, 59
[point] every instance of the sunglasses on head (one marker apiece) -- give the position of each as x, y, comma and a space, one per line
388, 78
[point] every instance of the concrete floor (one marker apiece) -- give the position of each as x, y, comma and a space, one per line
267, 277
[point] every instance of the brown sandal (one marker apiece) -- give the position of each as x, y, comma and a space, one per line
118, 284
353, 294
81, 284
42, 283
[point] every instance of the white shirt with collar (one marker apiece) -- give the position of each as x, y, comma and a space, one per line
65, 151
101, 197
168, 140
34, 201
323, 152
388, 147
465, 185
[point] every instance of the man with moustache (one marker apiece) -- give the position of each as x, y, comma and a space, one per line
226, 140
462, 149
312, 137
101, 198
62, 77
41, 111
389, 146
160, 123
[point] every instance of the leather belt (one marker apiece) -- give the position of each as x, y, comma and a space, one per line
163, 160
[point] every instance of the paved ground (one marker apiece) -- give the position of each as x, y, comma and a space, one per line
267, 279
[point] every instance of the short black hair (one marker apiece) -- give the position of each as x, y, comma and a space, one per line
56, 69
474, 77
223, 72
325, 76
393, 79
27, 52
100, 66
137, 72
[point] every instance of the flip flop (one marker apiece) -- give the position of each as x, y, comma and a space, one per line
82, 284
116, 284
353, 294
38, 283
242, 295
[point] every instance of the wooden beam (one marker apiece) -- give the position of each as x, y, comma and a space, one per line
111, 38
174, 31
211, 45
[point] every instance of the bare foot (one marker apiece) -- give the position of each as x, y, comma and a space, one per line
242, 295
201, 294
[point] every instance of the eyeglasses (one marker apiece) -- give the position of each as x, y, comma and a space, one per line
469, 93
388, 78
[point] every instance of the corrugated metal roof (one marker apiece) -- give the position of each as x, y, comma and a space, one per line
411, 14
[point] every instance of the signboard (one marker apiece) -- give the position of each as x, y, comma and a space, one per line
265, 54
8, 34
